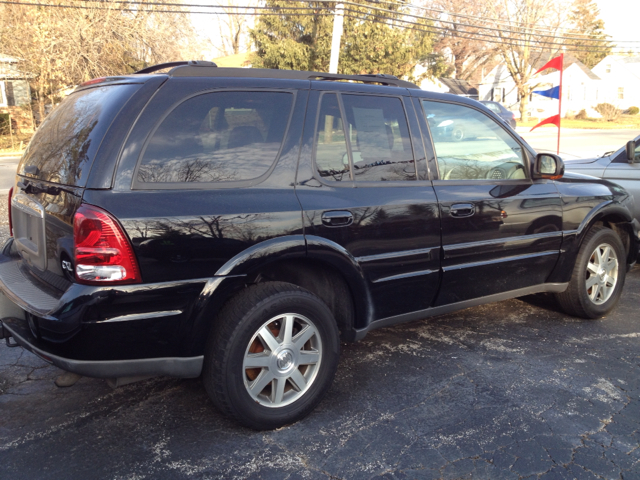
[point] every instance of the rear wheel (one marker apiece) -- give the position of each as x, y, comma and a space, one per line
271, 356
598, 275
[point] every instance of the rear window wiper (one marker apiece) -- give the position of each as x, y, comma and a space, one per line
30, 187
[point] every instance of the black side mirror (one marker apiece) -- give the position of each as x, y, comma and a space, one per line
631, 151
549, 166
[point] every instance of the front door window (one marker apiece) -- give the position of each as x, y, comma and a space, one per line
471, 146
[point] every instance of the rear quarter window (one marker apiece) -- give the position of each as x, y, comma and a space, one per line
218, 137
65, 144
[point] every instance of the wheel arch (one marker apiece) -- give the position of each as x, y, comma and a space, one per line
314, 263
609, 214
616, 218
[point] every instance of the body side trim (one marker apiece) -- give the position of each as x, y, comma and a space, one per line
502, 241
140, 316
500, 260
405, 275
385, 256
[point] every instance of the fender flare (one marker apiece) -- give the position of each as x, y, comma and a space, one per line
232, 277
327, 251
311, 247
572, 239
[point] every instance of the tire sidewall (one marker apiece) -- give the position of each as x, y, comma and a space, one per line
244, 406
603, 235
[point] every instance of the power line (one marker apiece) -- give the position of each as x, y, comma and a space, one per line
371, 7
349, 13
492, 20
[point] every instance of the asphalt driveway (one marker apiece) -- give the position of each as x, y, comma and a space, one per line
511, 390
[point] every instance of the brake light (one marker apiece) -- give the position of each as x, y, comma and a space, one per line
10, 220
103, 253
94, 81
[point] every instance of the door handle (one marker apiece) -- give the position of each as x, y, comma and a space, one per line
337, 218
463, 210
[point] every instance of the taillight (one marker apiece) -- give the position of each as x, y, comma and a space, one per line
10, 221
103, 254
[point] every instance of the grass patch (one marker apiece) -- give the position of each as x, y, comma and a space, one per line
625, 121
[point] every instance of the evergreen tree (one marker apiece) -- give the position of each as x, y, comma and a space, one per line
371, 43
586, 21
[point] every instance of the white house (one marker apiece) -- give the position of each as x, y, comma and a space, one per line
582, 89
620, 81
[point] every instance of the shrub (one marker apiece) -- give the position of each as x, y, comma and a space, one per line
633, 110
608, 112
582, 115
4, 123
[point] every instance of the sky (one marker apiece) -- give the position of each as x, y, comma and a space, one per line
621, 19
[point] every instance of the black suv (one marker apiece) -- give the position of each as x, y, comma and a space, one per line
237, 223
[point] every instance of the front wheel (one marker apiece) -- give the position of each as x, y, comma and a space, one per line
271, 356
598, 275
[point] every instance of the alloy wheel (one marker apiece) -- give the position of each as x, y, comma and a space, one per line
282, 360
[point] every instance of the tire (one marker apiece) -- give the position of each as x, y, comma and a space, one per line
598, 275
257, 373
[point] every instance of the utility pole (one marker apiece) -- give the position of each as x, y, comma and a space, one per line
338, 22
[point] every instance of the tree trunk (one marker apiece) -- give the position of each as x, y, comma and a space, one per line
41, 102
524, 104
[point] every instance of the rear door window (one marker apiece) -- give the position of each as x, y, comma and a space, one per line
217, 137
65, 144
370, 144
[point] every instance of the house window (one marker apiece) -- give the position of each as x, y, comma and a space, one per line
498, 94
608, 68
620, 93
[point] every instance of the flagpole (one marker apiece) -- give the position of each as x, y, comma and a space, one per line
560, 100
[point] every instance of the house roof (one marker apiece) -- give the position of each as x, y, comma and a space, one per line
631, 63
459, 87
502, 73
9, 68
238, 60
568, 61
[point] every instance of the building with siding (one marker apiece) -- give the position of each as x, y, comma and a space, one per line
15, 94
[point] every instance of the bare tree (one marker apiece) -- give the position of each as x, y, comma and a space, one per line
61, 47
525, 32
460, 42
232, 26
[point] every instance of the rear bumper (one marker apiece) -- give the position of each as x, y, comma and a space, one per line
173, 366
111, 331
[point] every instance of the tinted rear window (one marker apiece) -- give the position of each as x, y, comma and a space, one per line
217, 137
65, 144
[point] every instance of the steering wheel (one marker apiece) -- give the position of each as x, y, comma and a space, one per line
505, 171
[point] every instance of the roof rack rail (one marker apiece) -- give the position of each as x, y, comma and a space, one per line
162, 66
381, 79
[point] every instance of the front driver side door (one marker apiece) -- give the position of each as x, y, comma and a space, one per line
501, 231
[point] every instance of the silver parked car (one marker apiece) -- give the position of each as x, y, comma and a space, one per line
621, 167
